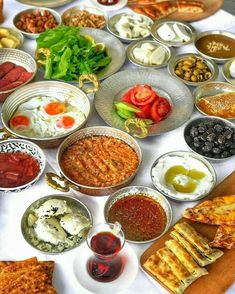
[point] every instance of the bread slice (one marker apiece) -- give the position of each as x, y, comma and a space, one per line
222, 104
190, 6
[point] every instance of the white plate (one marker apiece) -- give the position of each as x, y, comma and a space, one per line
123, 282
117, 6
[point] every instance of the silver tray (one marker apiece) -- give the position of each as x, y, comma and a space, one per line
226, 74
113, 88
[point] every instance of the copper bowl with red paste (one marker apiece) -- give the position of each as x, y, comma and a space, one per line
21, 164
144, 214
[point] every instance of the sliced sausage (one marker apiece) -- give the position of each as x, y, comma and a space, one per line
5, 67
14, 74
25, 76
3, 83
11, 85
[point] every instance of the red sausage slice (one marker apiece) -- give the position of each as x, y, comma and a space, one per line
5, 67
3, 83
11, 85
25, 76
14, 74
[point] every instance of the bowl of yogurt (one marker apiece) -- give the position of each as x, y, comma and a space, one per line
183, 176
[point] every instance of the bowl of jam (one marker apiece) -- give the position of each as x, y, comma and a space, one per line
21, 164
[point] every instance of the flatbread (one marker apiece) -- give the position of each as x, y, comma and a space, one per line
190, 6
218, 211
26, 277
224, 237
163, 273
176, 266
185, 258
200, 242
196, 255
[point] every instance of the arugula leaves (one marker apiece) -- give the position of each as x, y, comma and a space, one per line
71, 54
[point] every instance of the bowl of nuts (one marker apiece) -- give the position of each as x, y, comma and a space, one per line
192, 69
212, 137
85, 16
32, 22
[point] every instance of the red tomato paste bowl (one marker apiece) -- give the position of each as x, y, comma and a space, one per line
20, 59
21, 164
144, 214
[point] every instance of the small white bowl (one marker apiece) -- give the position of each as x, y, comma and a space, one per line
115, 18
31, 35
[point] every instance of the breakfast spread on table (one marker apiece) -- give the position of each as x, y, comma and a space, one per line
84, 45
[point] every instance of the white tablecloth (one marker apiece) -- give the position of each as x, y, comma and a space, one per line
12, 205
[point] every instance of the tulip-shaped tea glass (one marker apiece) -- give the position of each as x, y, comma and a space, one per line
106, 241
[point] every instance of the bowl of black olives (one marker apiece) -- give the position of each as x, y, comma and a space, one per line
211, 137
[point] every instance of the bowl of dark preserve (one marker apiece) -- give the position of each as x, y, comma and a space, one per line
21, 164
212, 137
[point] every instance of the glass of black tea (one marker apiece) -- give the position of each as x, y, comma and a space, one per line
106, 241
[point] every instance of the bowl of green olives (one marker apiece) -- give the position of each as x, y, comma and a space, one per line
192, 69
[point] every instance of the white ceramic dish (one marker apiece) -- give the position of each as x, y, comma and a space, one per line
122, 283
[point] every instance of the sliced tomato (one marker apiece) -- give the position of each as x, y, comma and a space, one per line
127, 96
142, 95
145, 111
160, 109
20, 121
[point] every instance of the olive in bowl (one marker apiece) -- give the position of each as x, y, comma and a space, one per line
211, 137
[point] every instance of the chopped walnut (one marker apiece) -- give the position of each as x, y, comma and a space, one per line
217, 46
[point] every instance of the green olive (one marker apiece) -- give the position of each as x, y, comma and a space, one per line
187, 74
208, 75
186, 68
194, 78
188, 63
200, 65
196, 72
179, 71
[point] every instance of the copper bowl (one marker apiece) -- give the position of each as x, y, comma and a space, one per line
21, 58
46, 88
67, 183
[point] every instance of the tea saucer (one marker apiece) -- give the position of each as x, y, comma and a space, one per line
123, 282
113, 7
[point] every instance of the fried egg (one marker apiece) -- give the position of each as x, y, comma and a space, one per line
43, 117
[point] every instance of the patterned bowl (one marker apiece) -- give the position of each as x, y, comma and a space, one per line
18, 145
20, 58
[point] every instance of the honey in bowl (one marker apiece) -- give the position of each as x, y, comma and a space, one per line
141, 217
217, 45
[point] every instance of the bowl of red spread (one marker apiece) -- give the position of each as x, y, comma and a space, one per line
144, 214
21, 165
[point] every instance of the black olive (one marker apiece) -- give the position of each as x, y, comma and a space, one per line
201, 129
216, 156
232, 151
218, 128
228, 144
216, 150
188, 139
228, 134
206, 148
221, 139
224, 154
232, 146
211, 137
210, 124
193, 132
211, 144
210, 131
202, 137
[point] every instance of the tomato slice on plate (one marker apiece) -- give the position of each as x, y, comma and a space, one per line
160, 109
127, 96
145, 111
142, 95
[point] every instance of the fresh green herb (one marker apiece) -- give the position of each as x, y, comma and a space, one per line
71, 54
